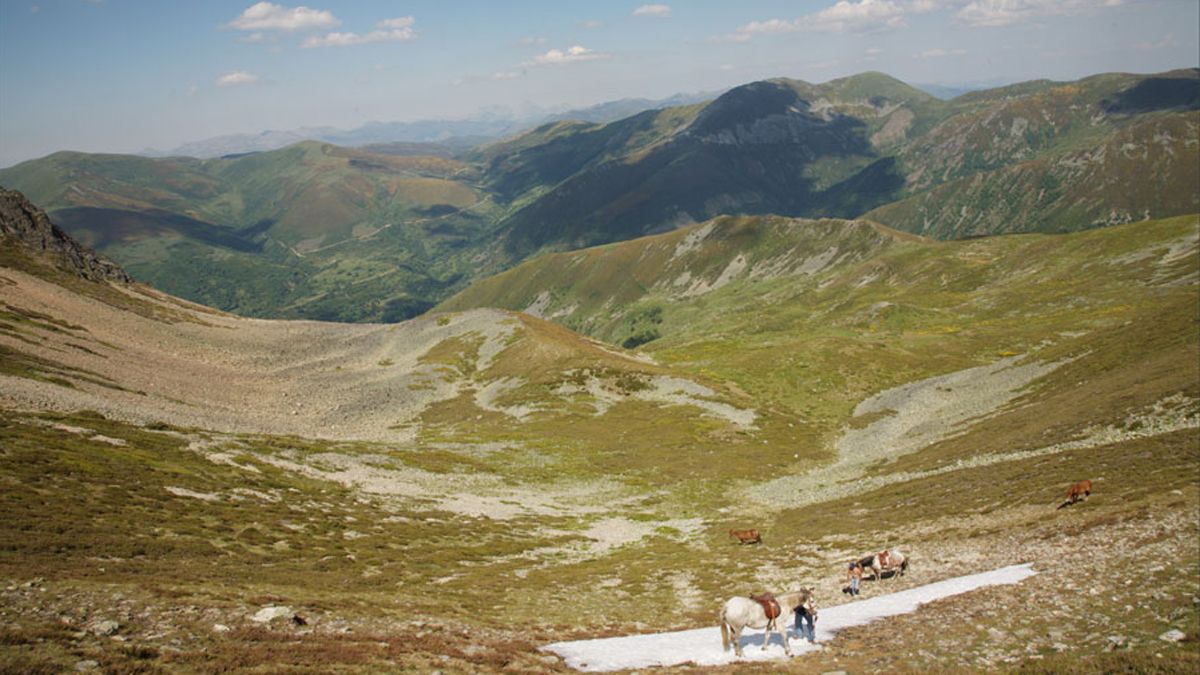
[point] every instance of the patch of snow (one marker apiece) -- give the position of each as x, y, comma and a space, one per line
702, 646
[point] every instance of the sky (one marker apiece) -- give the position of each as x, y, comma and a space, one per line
127, 75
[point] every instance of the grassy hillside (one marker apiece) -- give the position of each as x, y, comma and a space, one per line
318, 231
312, 230
1021, 158
449, 492
730, 296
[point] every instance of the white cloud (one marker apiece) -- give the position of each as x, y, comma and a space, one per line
506, 75
844, 16
399, 23
268, 16
874, 51
661, 11
938, 52
253, 38
861, 17
1007, 12
571, 55
388, 30
237, 77
1168, 40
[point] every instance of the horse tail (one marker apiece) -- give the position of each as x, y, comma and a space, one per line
724, 632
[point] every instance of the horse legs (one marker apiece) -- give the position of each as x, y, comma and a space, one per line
737, 641
787, 648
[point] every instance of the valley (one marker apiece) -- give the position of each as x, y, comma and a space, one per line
457, 490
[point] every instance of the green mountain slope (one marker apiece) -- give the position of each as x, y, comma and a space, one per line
845, 147
308, 231
815, 315
317, 231
779, 146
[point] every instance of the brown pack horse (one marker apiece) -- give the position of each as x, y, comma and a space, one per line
1079, 491
891, 560
750, 536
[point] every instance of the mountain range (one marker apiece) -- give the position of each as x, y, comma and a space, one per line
484, 127
315, 230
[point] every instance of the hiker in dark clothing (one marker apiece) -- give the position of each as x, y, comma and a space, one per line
806, 618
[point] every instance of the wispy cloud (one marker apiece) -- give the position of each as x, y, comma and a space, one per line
269, 16
995, 13
591, 23
388, 30
570, 55
236, 78
844, 16
661, 11
531, 40
506, 75
1167, 40
938, 52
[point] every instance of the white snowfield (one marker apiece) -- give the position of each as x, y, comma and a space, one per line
702, 646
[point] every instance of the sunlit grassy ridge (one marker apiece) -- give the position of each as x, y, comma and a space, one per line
813, 317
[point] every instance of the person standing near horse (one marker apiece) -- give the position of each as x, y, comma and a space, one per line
854, 575
806, 613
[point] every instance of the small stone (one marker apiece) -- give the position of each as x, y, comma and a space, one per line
220, 628
107, 627
1173, 635
89, 664
269, 614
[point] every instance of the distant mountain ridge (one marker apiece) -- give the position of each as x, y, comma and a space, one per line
459, 133
320, 231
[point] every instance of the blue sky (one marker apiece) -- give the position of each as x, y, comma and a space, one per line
123, 75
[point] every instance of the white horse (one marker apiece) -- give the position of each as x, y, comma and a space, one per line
886, 561
741, 612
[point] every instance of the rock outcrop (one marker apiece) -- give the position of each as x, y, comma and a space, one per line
26, 225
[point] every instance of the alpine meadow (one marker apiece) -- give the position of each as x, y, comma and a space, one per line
540, 338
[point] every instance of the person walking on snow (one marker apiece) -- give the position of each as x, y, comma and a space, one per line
854, 575
806, 613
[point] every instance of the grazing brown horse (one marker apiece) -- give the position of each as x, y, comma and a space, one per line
1079, 491
750, 536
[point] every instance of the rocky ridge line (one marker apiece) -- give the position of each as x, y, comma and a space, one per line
30, 227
